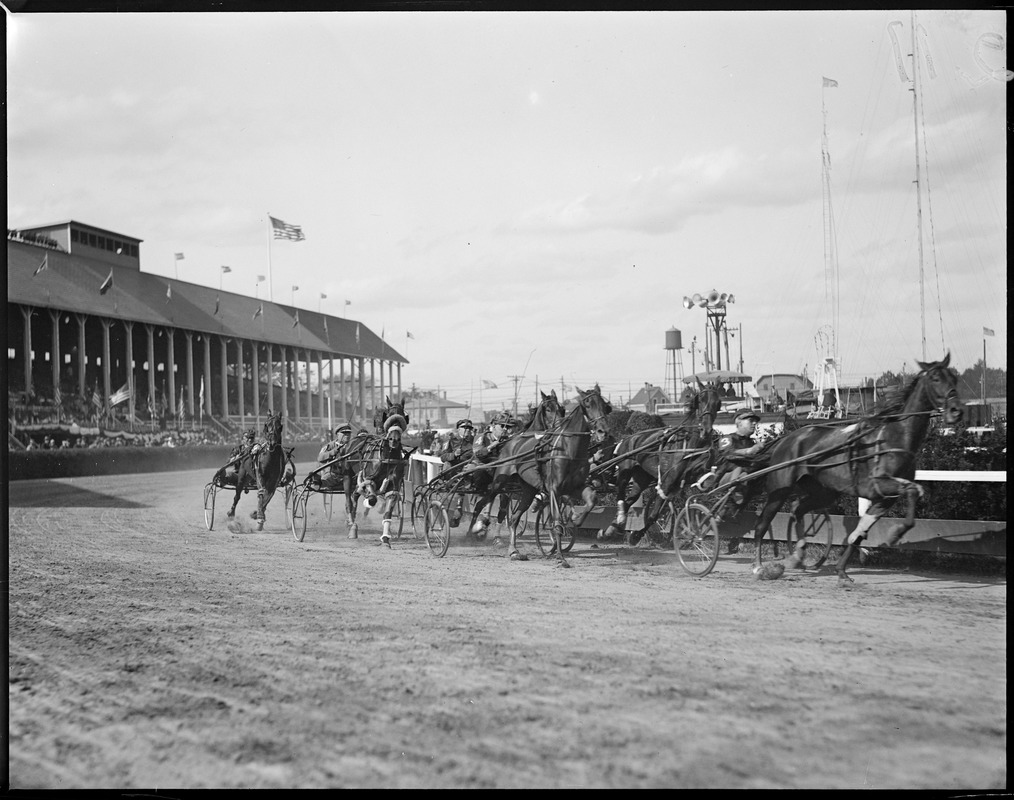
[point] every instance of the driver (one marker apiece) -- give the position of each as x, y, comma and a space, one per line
229, 474
395, 457
457, 450
738, 455
332, 476
484, 451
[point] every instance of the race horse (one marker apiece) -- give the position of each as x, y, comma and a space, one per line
662, 457
381, 422
553, 465
874, 458
382, 470
264, 468
546, 416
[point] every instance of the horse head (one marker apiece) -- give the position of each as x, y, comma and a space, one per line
938, 383
705, 404
273, 430
550, 411
595, 409
395, 411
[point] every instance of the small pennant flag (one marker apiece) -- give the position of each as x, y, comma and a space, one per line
107, 283
830, 84
179, 256
988, 332
201, 403
348, 302
295, 288
325, 327
226, 269
168, 292
218, 301
42, 266
295, 322
259, 311
282, 230
488, 384
357, 334
323, 296
260, 279
408, 335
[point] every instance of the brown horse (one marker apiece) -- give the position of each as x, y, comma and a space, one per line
264, 467
554, 464
547, 415
637, 461
874, 459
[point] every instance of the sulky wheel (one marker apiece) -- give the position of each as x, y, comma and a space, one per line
209, 504
297, 513
695, 539
289, 488
437, 529
544, 524
816, 530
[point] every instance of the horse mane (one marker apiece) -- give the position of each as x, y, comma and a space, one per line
895, 398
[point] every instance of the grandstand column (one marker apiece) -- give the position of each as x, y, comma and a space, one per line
129, 326
241, 381
271, 377
106, 377
330, 390
54, 353
190, 376
362, 388
27, 314
150, 329
256, 374
284, 376
309, 391
170, 343
342, 410
224, 361
82, 358
207, 373
399, 379
368, 412
320, 387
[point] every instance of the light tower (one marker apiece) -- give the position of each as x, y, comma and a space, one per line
674, 360
714, 303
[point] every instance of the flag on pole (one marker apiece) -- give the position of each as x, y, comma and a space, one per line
988, 332
58, 396
488, 384
260, 279
168, 292
121, 394
295, 288
295, 322
179, 256
830, 83
325, 329
357, 334
96, 398
151, 405
283, 230
259, 311
201, 404
42, 266
348, 302
408, 335
107, 283
218, 301
323, 296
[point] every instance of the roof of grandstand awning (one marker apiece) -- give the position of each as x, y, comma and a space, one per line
71, 283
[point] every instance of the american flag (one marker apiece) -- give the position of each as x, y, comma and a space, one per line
179, 256
121, 394
96, 398
283, 230
58, 396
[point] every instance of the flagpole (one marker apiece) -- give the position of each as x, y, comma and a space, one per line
983, 372
271, 279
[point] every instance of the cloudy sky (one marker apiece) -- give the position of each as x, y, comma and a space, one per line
532, 195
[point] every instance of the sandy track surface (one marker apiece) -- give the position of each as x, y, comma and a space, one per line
146, 651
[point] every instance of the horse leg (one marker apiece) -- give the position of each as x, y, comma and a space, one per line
817, 497
527, 495
554, 504
854, 540
763, 524
618, 526
385, 535
235, 501
351, 501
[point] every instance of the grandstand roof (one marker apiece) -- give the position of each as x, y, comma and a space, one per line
71, 283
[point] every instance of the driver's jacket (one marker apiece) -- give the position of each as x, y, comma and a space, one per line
485, 446
457, 449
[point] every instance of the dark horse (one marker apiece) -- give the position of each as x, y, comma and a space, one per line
547, 415
394, 414
264, 468
554, 464
637, 459
874, 459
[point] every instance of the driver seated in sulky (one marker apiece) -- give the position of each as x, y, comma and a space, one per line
229, 474
332, 476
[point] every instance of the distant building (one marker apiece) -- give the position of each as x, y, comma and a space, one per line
647, 399
777, 388
433, 405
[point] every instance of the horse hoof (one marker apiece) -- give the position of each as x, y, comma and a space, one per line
385, 539
260, 525
563, 564
845, 581
353, 534
516, 556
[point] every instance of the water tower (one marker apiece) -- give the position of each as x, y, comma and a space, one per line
674, 361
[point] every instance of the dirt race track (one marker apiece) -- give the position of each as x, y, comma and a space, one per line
147, 652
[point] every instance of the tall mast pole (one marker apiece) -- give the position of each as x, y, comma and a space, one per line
918, 182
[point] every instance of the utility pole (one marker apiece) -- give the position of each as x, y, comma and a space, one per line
517, 380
